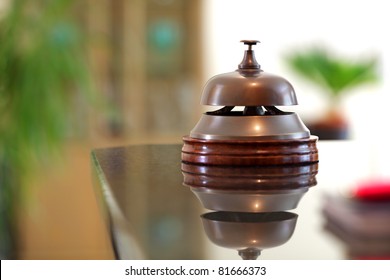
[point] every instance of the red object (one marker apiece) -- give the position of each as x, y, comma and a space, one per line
373, 190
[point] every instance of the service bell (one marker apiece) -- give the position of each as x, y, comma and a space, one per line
260, 133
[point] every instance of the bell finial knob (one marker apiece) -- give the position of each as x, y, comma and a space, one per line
249, 60
250, 43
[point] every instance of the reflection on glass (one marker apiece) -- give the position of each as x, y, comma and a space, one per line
249, 203
249, 233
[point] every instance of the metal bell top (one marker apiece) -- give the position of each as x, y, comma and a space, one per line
249, 85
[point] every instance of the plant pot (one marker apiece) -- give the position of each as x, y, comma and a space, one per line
333, 126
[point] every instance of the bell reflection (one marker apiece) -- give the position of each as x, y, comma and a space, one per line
250, 189
250, 204
249, 233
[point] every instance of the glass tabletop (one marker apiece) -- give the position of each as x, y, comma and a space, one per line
157, 207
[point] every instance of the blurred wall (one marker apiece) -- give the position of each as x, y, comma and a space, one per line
349, 28
146, 58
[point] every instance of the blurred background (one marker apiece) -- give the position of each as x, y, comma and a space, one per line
78, 75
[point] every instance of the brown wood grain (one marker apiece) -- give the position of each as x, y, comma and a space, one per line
250, 152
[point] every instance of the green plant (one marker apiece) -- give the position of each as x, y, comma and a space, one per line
334, 75
43, 75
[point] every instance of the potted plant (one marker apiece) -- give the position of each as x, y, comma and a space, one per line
334, 76
43, 79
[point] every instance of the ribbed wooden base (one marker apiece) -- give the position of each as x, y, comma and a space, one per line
249, 152
276, 177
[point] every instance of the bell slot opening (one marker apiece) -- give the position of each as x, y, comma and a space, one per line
248, 111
